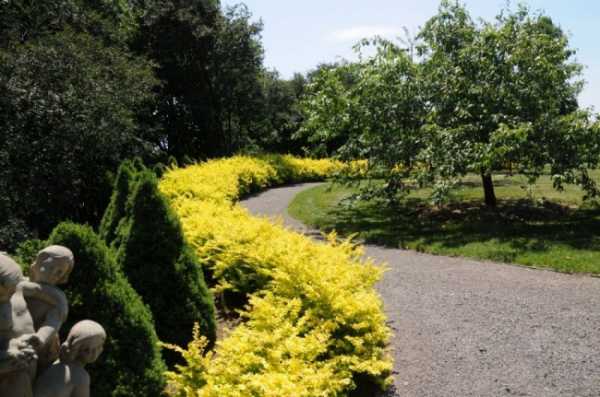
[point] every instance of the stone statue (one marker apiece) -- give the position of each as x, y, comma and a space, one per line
52, 266
68, 377
31, 314
17, 339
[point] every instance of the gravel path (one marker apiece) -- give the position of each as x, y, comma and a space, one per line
467, 328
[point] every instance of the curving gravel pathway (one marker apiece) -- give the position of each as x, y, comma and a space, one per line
466, 328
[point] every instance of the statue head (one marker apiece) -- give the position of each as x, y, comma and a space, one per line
84, 343
53, 265
10, 276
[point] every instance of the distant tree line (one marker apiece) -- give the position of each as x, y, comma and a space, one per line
85, 84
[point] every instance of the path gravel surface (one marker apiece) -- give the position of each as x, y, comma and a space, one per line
467, 328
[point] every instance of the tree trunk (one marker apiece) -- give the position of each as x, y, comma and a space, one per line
488, 189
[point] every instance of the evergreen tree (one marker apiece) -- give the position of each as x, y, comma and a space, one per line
162, 268
131, 364
116, 208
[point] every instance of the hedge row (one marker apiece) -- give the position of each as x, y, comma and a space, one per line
313, 320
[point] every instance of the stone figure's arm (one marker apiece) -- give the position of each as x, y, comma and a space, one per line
46, 293
56, 316
34, 290
50, 326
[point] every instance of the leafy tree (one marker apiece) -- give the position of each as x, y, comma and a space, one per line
162, 267
25, 20
69, 117
178, 36
504, 92
477, 97
320, 107
281, 115
131, 363
371, 110
236, 70
210, 62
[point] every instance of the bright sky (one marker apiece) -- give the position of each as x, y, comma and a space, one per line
298, 35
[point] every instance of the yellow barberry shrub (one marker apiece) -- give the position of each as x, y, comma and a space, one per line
313, 319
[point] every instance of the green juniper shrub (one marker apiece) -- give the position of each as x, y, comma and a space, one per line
131, 364
162, 267
116, 208
161, 167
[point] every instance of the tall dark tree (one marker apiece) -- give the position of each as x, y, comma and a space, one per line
281, 115
236, 66
179, 37
24, 20
209, 64
114, 21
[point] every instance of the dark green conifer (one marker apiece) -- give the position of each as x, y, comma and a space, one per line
161, 266
116, 208
131, 364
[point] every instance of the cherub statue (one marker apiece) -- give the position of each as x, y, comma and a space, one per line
52, 266
68, 377
17, 339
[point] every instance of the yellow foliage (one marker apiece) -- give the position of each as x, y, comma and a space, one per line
313, 320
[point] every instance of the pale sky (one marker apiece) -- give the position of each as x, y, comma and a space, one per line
298, 35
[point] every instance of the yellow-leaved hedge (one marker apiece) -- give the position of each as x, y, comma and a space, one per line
313, 321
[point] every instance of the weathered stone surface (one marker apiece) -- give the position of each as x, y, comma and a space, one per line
31, 314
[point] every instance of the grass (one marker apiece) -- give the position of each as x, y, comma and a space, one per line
535, 227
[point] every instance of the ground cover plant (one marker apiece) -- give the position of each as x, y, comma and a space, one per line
313, 322
532, 225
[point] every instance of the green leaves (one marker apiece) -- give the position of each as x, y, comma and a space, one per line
481, 97
370, 110
69, 115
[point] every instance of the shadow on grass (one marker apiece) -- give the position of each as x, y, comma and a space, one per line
515, 228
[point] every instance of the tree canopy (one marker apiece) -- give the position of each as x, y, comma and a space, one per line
87, 84
505, 91
478, 97
68, 117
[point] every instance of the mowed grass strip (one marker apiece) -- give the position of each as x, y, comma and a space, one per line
533, 225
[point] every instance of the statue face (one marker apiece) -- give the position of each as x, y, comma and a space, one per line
91, 349
50, 271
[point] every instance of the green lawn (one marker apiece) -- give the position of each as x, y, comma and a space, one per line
536, 227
